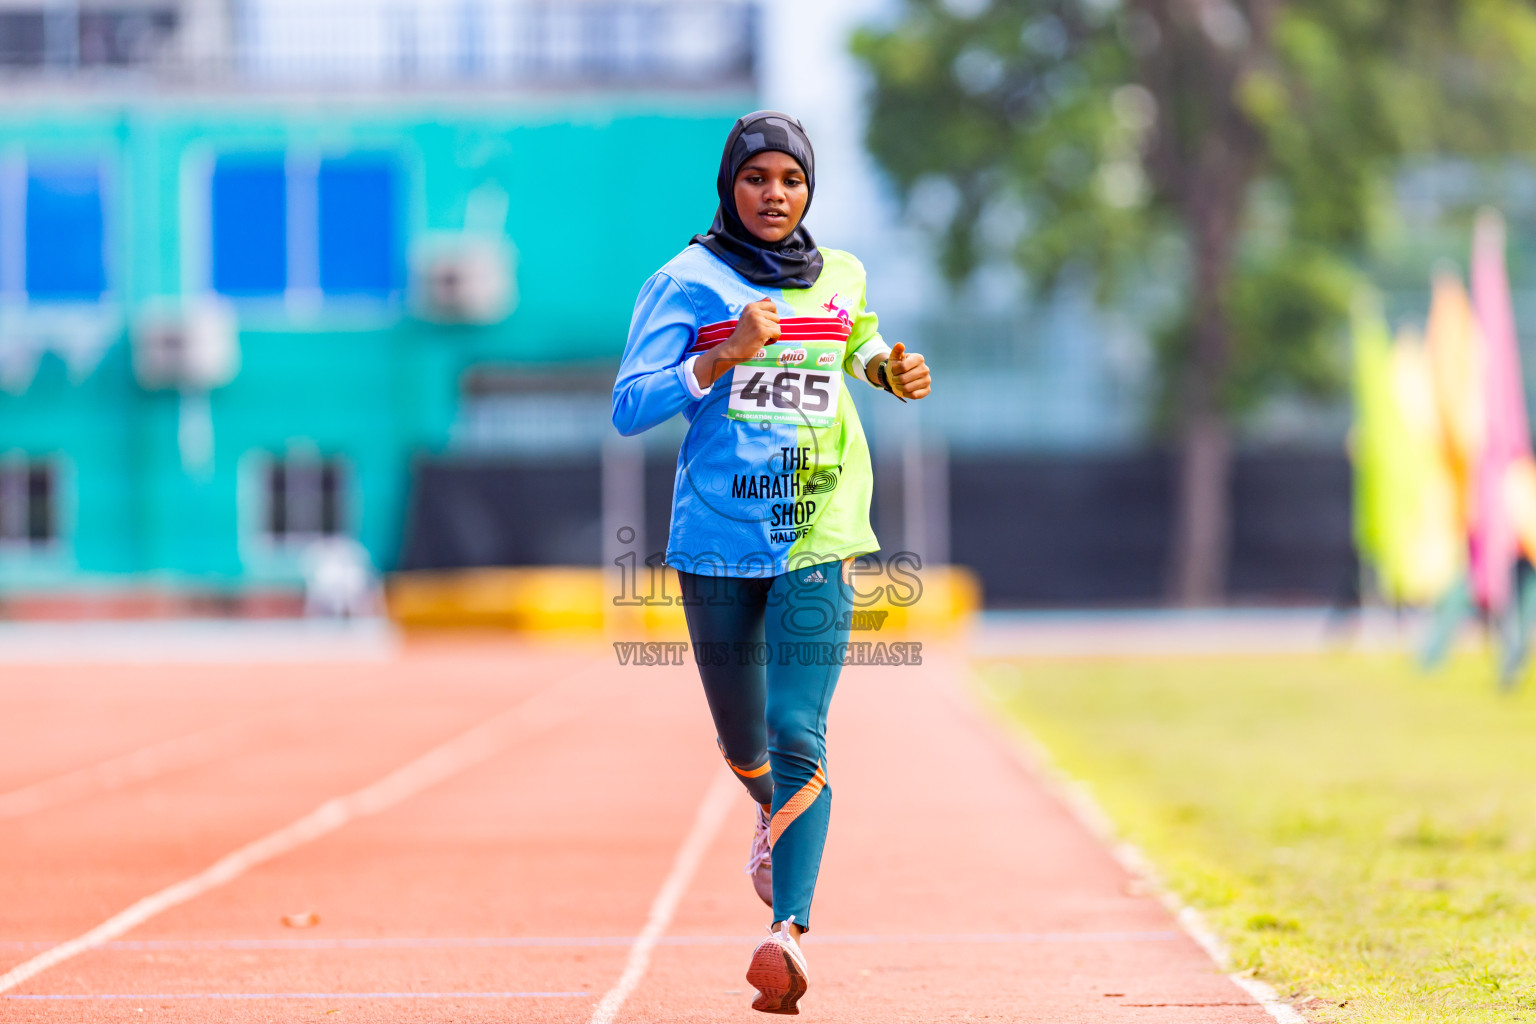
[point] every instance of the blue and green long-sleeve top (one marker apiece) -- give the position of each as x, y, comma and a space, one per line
774, 471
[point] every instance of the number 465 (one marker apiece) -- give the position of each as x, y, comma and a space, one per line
784, 393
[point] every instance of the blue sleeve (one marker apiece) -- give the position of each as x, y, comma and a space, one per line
653, 384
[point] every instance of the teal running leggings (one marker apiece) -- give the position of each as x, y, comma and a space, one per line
769, 652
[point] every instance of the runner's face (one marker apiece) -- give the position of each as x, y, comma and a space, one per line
771, 194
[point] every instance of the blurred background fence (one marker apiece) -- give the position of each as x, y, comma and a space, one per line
351, 44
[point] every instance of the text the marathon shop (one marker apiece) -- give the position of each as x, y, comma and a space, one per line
793, 510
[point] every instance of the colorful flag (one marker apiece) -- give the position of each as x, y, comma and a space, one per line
1507, 442
1455, 346
1408, 525
1432, 538
1382, 471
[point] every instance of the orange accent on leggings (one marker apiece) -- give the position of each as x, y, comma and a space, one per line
753, 773
796, 805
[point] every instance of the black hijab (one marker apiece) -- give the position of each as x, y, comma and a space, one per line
793, 262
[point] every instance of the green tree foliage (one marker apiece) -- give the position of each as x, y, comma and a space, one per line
1263, 135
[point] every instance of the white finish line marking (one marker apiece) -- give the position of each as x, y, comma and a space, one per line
148, 996
706, 823
584, 941
437, 765
197, 642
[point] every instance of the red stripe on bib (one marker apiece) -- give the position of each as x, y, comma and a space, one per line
794, 328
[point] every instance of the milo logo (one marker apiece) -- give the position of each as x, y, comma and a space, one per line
762, 353
827, 358
792, 357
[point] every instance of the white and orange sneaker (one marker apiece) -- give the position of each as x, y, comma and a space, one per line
778, 972
760, 860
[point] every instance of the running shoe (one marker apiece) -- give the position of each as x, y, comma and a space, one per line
778, 972
760, 861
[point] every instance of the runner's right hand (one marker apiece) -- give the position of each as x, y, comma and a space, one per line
758, 326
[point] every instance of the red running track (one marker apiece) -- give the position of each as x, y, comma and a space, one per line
515, 815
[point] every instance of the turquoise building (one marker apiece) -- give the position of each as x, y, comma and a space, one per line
230, 319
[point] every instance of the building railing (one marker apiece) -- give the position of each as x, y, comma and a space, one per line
378, 44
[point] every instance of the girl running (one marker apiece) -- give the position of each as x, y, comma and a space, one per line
747, 333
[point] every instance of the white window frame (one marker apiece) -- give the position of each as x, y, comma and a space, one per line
301, 456
26, 463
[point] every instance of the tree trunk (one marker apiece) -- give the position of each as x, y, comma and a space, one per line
1204, 154
1202, 511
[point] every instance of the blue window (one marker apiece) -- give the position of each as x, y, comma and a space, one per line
64, 234
359, 232
249, 211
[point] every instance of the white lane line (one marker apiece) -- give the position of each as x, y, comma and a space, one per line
118, 772
706, 823
540, 711
1037, 762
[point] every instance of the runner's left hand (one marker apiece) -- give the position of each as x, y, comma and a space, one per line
908, 372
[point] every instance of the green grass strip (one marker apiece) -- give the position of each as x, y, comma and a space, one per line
1362, 835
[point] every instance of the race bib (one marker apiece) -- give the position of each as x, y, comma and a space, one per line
789, 382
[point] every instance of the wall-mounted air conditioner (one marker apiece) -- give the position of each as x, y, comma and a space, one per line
463, 279
190, 347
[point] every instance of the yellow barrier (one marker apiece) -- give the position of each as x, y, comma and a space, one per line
532, 599
934, 601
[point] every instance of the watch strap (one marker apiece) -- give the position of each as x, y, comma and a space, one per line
885, 380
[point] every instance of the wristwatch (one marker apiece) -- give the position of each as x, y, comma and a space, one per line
885, 380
